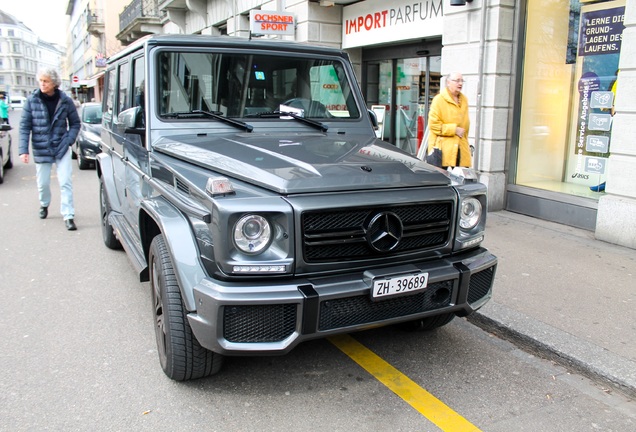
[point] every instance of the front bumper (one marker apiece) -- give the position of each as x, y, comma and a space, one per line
89, 151
258, 319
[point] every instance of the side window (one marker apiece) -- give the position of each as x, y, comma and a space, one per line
139, 66
109, 99
124, 74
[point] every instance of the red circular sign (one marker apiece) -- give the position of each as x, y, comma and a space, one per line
75, 79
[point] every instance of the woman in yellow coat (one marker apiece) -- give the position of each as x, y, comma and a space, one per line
448, 124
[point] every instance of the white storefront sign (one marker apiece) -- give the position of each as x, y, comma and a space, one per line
271, 23
378, 21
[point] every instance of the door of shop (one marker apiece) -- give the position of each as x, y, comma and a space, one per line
399, 83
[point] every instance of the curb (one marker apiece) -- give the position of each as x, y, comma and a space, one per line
564, 348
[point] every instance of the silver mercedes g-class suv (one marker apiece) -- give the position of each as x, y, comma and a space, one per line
245, 182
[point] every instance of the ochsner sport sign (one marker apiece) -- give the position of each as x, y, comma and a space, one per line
378, 21
271, 23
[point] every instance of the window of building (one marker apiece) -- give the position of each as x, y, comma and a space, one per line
10, 33
571, 57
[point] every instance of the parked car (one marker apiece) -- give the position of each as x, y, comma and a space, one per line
87, 145
245, 181
17, 101
5, 150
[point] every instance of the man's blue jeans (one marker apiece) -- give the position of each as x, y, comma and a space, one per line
64, 169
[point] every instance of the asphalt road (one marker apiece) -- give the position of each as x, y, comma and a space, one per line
77, 353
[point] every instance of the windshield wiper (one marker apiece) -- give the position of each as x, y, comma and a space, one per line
213, 114
318, 125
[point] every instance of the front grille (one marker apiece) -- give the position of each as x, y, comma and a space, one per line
337, 235
358, 310
480, 284
266, 323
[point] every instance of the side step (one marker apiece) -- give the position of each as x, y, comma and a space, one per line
131, 244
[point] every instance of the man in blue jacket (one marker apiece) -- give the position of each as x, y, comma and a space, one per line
50, 120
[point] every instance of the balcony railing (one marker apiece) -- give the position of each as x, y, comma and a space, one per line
95, 21
139, 18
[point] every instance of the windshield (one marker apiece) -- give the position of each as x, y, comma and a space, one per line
92, 114
245, 85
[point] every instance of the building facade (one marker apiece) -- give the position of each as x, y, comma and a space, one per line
548, 84
22, 54
93, 26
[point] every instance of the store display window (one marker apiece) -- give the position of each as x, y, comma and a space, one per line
570, 67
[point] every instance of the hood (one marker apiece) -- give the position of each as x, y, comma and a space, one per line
94, 128
304, 163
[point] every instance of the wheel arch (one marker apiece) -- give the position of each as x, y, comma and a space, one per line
158, 216
104, 169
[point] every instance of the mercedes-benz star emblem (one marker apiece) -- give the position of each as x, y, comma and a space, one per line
384, 231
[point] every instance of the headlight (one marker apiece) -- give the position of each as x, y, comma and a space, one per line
470, 213
252, 234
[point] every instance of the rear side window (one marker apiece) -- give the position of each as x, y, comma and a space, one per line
109, 96
124, 103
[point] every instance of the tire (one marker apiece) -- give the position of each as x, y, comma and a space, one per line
108, 234
180, 354
73, 154
427, 324
82, 163
9, 163
1, 169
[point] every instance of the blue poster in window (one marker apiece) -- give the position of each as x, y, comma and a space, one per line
601, 32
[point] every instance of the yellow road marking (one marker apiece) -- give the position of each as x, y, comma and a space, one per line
424, 402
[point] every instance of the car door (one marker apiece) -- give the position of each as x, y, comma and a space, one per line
135, 150
121, 103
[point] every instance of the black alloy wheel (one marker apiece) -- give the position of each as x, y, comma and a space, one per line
180, 354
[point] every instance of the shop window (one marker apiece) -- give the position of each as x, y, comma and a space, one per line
572, 51
405, 96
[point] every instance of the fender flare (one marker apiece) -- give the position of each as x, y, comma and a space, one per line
173, 224
104, 168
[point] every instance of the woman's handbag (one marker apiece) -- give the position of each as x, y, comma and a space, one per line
434, 157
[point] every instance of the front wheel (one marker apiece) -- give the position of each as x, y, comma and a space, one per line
180, 354
82, 162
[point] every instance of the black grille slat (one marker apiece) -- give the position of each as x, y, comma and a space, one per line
480, 284
259, 323
180, 185
336, 235
351, 311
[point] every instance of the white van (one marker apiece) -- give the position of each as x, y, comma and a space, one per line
17, 101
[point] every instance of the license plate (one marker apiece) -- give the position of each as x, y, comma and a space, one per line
399, 285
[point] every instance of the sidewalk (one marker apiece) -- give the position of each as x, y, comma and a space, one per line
564, 295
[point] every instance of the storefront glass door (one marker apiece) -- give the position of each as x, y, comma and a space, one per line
400, 91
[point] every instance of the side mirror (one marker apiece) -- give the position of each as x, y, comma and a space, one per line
374, 118
129, 119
